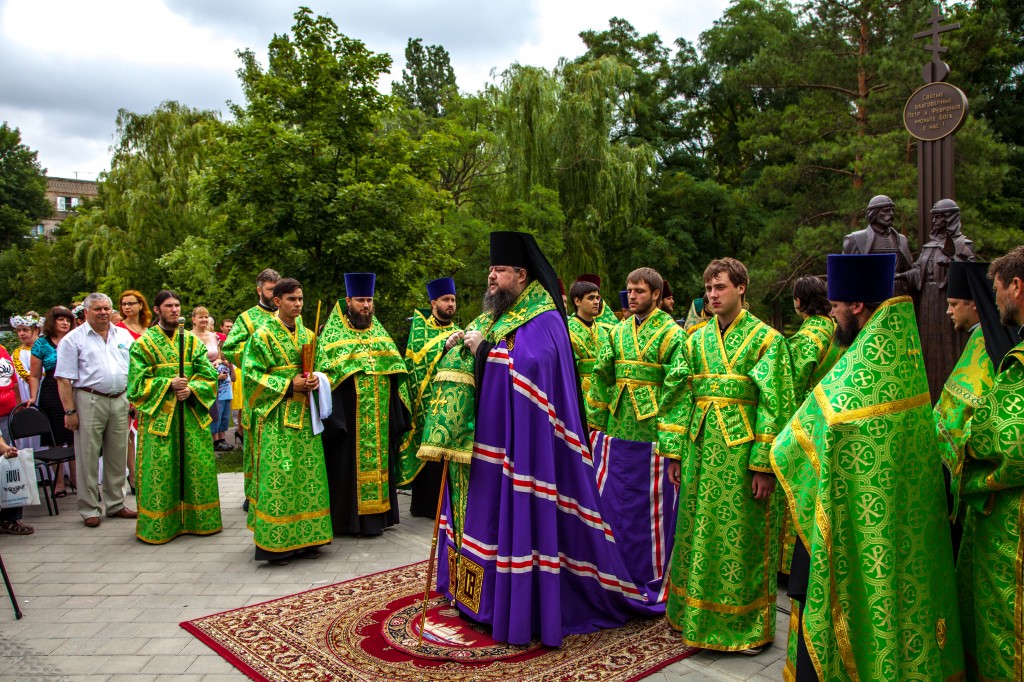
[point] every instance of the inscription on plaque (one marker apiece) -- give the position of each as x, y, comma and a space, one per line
934, 111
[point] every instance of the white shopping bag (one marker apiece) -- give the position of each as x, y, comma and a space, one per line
18, 480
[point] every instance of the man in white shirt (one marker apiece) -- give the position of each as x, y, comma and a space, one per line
92, 375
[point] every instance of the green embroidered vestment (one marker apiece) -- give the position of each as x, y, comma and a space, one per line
858, 467
289, 506
233, 348
586, 341
813, 352
635, 388
423, 352
989, 569
163, 515
370, 358
725, 558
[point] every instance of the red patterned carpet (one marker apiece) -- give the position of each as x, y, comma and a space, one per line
368, 629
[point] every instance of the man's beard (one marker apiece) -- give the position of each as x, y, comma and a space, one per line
499, 303
360, 320
442, 316
170, 323
845, 335
268, 304
1008, 317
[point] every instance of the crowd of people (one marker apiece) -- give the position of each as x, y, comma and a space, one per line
591, 468
28, 378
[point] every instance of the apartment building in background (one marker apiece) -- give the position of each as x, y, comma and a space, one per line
66, 194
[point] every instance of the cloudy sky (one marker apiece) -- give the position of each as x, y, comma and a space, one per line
67, 66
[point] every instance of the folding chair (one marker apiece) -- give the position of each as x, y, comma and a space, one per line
25, 422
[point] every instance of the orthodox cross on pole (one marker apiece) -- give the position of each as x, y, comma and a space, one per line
936, 70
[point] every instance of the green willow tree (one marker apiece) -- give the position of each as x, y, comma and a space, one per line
144, 206
558, 129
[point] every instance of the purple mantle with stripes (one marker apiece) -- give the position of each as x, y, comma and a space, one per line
557, 541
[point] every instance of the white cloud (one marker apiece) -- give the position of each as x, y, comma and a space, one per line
68, 66
143, 32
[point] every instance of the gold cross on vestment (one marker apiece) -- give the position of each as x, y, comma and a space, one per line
437, 403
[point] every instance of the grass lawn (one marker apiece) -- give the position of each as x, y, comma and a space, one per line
229, 462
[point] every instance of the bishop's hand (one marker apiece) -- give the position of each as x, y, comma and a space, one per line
473, 340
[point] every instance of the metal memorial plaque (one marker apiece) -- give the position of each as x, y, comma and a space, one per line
934, 111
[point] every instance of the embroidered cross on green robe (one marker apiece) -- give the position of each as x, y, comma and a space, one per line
163, 515
288, 507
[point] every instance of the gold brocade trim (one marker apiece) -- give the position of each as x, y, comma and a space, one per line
768, 339
177, 509
432, 453
712, 375
180, 532
638, 362
277, 368
291, 548
356, 342
305, 516
470, 578
1018, 607
764, 438
839, 625
730, 609
789, 672
455, 377
832, 417
635, 382
676, 329
760, 469
704, 400
672, 428
805, 442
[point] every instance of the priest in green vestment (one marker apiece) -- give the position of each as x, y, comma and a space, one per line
363, 436
813, 351
289, 512
626, 398
989, 568
162, 399
726, 555
246, 325
449, 426
586, 333
858, 465
605, 316
431, 334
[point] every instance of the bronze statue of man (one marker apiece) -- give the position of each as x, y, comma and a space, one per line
881, 237
941, 346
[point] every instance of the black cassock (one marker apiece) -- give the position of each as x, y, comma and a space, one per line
340, 458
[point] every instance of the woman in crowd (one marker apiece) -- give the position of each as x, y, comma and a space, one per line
202, 327
27, 328
135, 316
43, 385
135, 312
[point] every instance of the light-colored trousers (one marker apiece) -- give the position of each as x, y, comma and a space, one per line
102, 427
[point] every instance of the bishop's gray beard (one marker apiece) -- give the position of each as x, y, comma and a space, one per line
359, 320
499, 303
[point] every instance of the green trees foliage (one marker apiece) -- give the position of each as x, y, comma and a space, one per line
22, 188
762, 140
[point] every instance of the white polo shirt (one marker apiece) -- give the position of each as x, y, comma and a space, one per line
90, 362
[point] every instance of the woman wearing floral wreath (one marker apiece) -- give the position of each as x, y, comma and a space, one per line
135, 317
43, 385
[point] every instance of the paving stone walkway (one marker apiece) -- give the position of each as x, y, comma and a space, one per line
100, 606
